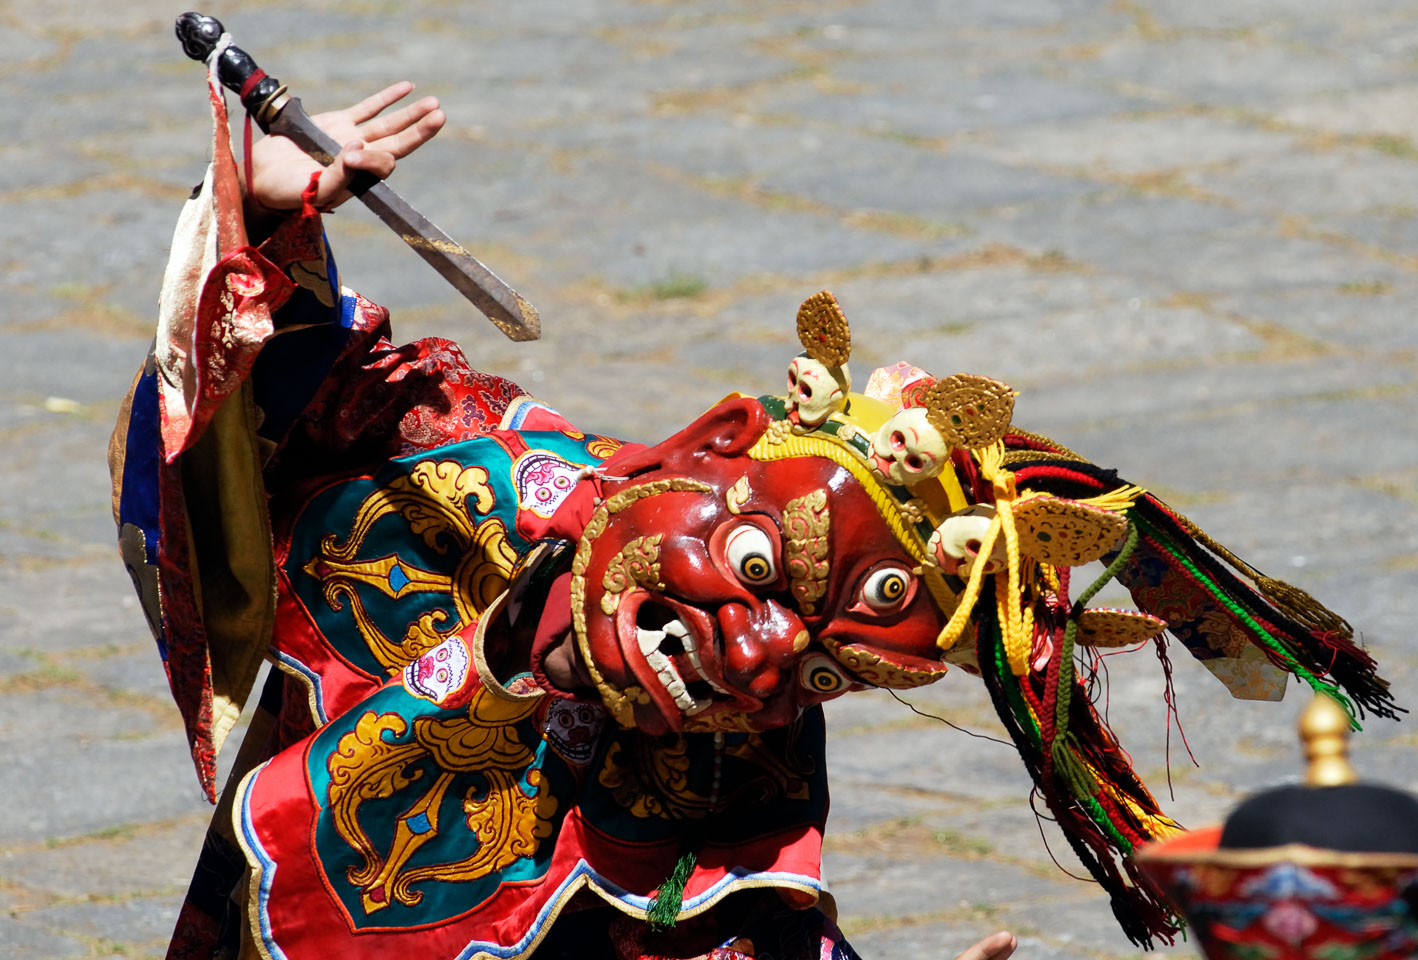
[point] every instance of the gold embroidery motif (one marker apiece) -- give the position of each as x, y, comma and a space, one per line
338, 582
651, 780
637, 563
439, 500
806, 521
432, 498
370, 762
381, 573
603, 447
718, 723
312, 275
485, 570
649, 776
778, 777
423, 635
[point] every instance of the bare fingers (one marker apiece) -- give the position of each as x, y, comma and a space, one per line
372, 143
410, 138
356, 156
399, 120
376, 103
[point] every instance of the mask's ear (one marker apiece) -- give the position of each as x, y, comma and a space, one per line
728, 429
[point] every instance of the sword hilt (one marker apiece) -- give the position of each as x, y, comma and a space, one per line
235, 68
265, 99
268, 103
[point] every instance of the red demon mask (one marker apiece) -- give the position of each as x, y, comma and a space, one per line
715, 589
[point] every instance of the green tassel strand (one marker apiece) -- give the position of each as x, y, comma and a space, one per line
1067, 761
1072, 771
664, 909
1017, 706
1316, 684
1065, 655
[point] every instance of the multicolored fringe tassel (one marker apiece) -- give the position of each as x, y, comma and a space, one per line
1078, 767
1294, 630
1084, 777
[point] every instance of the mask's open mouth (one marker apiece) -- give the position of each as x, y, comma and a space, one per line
675, 651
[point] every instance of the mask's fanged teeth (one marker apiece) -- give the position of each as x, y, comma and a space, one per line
703, 696
692, 655
649, 640
657, 647
670, 679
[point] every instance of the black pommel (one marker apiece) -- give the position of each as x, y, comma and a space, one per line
198, 34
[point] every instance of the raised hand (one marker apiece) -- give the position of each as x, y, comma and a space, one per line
280, 170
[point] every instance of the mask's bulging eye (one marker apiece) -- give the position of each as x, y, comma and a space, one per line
750, 553
820, 675
886, 588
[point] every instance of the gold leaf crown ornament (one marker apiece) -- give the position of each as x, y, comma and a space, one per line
916, 436
996, 518
994, 555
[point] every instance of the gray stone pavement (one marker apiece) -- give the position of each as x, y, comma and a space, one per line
1187, 232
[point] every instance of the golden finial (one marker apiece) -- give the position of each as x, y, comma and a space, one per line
1324, 730
823, 330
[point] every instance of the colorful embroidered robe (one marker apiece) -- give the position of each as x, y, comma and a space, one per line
289, 484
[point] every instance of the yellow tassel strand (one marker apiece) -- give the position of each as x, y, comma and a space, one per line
768, 448
1051, 575
1017, 627
1018, 641
991, 460
954, 627
1120, 500
1155, 824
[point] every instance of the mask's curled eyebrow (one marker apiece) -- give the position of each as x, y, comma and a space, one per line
806, 528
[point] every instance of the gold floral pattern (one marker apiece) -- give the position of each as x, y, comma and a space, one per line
638, 563
440, 501
373, 761
806, 524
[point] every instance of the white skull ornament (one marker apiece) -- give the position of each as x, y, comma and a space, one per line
573, 729
908, 449
956, 543
439, 672
815, 390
